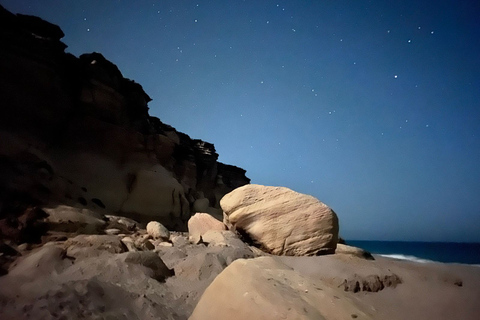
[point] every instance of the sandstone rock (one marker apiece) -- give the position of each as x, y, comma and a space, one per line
122, 223
70, 219
165, 244
149, 260
224, 238
23, 247
354, 251
268, 289
157, 230
200, 223
39, 263
200, 267
171, 256
129, 244
371, 283
144, 245
156, 194
113, 231
281, 221
83, 246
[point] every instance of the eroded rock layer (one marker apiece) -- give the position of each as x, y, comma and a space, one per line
75, 131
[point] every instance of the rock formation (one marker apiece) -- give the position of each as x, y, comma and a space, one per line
200, 223
74, 131
270, 290
281, 221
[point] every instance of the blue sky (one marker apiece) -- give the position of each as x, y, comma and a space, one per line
371, 106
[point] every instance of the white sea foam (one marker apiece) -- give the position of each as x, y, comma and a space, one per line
406, 257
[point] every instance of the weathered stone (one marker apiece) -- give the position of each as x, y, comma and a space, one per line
268, 289
71, 219
281, 221
129, 244
113, 231
225, 238
201, 266
371, 283
354, 251
157, 230
165, 244
121, 223
200, 223
83, 246
149, 260
39, 263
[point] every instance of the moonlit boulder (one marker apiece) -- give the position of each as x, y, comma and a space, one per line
281, 221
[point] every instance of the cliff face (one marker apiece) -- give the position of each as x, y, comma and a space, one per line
75, 131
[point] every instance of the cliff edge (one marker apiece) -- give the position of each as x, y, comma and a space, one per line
74, 131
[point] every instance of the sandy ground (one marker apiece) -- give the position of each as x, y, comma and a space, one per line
428, 290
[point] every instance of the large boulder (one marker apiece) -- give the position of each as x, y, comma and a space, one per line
281, 221
268, 289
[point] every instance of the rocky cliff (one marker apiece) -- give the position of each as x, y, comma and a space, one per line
75, 131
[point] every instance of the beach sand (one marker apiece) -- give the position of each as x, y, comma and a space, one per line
428, 290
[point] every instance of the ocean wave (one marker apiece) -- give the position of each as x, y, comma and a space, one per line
406, 257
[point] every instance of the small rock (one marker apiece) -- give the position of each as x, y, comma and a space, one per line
157, 230
143, 242
201, 266
354, 251
200, 223
121, 223
148, 246
23, 247
129, 243
113, 231
179, 241
371, 283
165, 244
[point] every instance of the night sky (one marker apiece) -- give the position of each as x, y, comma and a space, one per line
371, 106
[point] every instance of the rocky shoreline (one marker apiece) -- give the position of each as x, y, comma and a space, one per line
111, 267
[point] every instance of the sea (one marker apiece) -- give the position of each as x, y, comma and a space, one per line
422, 252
